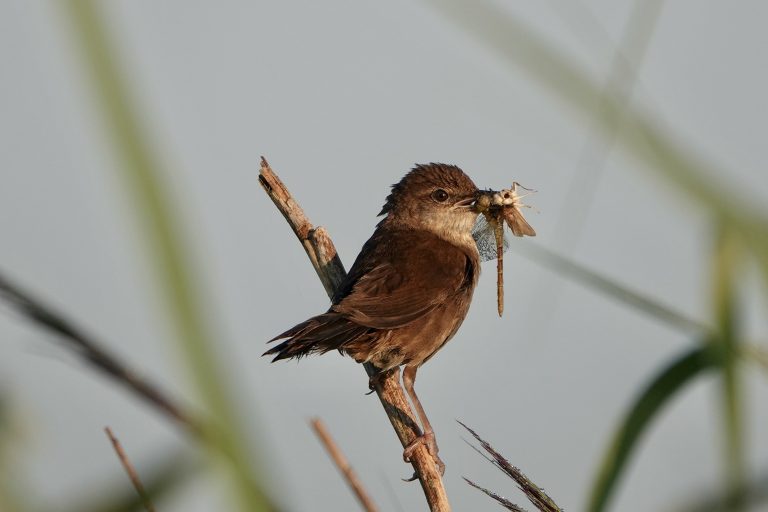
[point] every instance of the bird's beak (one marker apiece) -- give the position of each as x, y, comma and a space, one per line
466, 203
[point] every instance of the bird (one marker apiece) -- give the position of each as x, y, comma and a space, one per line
409, 289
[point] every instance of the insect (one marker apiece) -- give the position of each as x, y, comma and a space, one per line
499, 208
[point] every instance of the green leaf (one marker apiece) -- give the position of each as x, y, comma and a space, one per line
727, 260
646, 407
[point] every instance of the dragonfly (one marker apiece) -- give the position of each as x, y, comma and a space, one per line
498, 208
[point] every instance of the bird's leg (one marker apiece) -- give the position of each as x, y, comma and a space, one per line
427, 438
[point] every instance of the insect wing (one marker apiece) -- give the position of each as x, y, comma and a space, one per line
485, 238
517, 222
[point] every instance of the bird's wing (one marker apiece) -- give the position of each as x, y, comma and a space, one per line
403, 280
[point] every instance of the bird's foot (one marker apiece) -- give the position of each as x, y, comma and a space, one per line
426, 439
376, 380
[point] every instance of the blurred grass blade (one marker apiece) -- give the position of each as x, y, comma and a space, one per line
646, 407
752, 494
620, 83
95, 354
611, 288
144, 178
638, 134
727, 261
12, 490
642, 303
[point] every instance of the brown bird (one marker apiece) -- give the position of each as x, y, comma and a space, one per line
410, 287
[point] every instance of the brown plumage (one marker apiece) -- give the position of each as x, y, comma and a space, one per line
410, 287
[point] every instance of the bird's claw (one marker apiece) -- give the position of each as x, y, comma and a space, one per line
375, 380
428, 440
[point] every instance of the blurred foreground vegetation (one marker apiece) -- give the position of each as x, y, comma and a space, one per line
739, 246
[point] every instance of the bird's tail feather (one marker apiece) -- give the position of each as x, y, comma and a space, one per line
319, 334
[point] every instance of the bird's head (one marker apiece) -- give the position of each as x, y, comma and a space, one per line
436, 197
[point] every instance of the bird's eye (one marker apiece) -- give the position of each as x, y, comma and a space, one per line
440, 195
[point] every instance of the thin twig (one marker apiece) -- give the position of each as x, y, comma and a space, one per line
534, 493
343, 465
322, 253
94, 354
130, 470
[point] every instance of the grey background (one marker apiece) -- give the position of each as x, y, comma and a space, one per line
343, 97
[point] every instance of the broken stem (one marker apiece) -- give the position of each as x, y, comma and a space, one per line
132, 474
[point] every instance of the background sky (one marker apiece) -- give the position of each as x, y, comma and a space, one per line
342, 98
